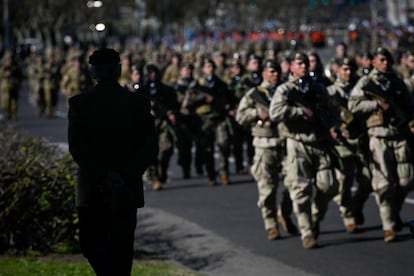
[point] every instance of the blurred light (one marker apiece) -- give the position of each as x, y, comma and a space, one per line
94, 4
68, 39
100, 27
92, 27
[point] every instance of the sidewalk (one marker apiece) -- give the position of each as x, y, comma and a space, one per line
172, 237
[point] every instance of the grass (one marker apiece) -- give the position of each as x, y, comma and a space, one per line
75, 265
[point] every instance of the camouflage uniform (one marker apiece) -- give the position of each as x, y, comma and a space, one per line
387, 123
269, 152
75, 77
353, 164
207, 102
164, 105
172, 72
49, 79
241, 134
186, 121
125, 69
308, 159
10, 76
249, 79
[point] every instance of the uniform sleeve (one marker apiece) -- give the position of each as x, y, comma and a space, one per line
247, 112
358, 102
280, 110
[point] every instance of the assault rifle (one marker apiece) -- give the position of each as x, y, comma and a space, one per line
310, 99
398, 118
260, 98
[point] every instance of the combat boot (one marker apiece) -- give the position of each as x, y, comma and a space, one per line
309, 242
225, 180
351, 228
273, 234
389, 236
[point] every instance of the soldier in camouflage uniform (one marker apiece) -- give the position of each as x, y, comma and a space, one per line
10, 78
125, 69
136, 80
172, 72
348, 136
207, 101
75, 77
409, 81
269, 145
163, 106
49, 80
241, 134
186, 125
250, 79
364, 60
382, 97
300, 104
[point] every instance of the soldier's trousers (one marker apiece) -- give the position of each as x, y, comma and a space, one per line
265, 170
159, 167
223, 143
355, 167
308, 164
205, 143
8, 99
392, 176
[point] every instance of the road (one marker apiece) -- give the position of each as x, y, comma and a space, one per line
230, 215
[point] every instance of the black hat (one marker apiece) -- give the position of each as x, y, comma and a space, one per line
273, 64
187, 65
347, 61
104, 56
365, 54
254, 56
384, 52
299, 56
152, 68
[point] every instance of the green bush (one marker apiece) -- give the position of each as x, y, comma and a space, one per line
37, 195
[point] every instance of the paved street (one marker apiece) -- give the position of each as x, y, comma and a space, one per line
228, 223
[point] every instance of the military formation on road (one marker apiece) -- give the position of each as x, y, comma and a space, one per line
293, 123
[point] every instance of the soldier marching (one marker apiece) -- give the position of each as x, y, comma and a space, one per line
352, 129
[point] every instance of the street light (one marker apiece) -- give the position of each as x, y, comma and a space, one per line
94, 4
100, 27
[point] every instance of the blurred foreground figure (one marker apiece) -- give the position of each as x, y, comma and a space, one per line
112, 138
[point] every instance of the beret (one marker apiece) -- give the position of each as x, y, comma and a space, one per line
347, 61
299, 56
104, 56
384, 52
273, 64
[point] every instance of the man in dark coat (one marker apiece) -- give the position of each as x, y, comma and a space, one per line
112, 138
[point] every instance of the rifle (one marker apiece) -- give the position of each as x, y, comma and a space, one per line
260, 98
308, 97
379, 95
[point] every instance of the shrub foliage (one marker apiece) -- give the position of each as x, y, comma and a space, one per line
37, 195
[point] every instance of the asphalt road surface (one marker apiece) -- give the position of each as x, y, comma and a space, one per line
227, 217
